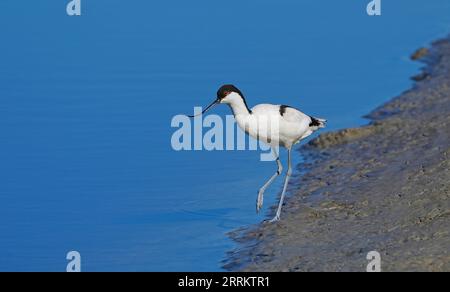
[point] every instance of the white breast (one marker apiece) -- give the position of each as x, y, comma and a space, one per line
268, 125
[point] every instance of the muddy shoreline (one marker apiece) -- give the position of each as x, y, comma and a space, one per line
383, 187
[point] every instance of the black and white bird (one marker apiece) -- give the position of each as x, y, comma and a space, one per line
276, 125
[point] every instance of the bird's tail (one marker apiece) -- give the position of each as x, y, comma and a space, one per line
318, 123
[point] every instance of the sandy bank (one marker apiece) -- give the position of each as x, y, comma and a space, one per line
383, 187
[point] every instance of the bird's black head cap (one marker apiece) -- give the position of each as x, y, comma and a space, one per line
227, 89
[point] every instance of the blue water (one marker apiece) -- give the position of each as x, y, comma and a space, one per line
86, 104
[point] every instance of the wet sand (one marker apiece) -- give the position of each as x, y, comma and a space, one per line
383, 187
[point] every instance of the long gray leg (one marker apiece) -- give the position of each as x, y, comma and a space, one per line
259, 202
286, 181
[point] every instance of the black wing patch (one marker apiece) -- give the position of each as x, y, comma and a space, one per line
314, 122
283, 109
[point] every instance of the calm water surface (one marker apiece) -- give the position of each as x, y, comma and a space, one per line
86, 104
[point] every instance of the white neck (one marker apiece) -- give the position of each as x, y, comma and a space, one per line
237, 104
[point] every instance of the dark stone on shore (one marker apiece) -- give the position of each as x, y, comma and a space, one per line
419, 54
420, 77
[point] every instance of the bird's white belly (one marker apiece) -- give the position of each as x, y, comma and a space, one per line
270, 129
